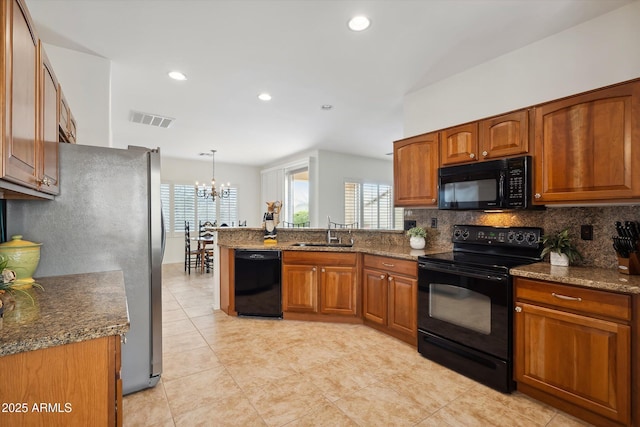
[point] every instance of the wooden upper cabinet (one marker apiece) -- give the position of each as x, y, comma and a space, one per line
506, 135
20, 88
67, 123
48, 135
459, 144
415, 170
587, 145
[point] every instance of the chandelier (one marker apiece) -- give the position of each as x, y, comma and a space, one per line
205, 191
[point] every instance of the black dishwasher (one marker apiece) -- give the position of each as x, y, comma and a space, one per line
257, 283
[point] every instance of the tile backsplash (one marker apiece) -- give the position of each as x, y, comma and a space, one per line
597, 252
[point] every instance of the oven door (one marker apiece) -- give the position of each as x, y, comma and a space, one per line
468, 306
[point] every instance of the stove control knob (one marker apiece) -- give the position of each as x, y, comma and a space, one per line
465, 234
532, 238
457, 233
519, 237
511, 236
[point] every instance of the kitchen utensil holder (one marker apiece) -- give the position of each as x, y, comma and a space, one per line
629, 265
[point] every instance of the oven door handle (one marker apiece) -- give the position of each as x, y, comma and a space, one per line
466, 273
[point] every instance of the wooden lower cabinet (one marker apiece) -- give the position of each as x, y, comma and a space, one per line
573, 349
390, 295
300, 288
75, 384
322, 284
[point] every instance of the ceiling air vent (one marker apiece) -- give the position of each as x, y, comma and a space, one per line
150, 119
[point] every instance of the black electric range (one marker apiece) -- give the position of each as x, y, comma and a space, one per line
465, 299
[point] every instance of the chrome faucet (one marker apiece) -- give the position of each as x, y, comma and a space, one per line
330, 238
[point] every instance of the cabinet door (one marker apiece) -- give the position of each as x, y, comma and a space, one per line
415, 171
299, 288
375, 296
506, 135
403, 297
48, 141
19, 141
459, 144
75, 382
63, 118
587, 145
579, 359
338, 288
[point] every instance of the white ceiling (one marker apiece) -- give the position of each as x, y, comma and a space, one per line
301, 52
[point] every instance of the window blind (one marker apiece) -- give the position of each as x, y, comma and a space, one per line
371, 206
229, 208
184, 207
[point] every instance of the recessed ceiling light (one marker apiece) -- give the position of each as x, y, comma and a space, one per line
326, 107
177, 75
359, 23
264, 97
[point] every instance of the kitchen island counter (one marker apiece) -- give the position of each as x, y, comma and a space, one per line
393, 251
70, 308
588, 277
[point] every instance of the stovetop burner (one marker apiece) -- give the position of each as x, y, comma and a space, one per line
499, 248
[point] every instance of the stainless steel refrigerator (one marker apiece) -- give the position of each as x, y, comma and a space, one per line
108, 216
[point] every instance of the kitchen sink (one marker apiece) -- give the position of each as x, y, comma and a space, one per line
324, 245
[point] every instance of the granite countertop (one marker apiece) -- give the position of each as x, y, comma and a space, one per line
71, 308
400, 252
588, 277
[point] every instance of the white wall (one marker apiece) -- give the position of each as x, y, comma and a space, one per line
597, 53
86, 84
327, 173
245, 178
334, 169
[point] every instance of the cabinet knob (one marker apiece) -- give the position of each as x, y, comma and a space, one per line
537, 195
322, 270
45, 181
473, 156
518, 309
313, 269
390, 278
485, 153
382, 276
433, 200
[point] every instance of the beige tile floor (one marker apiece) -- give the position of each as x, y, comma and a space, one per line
227, 371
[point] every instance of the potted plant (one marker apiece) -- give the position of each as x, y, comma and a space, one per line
417, 237
560, 248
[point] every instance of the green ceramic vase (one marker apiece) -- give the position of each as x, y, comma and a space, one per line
22, 257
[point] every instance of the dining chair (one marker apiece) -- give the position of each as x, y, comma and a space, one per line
206, 232
192, 257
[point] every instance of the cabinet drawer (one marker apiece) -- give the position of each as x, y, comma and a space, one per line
392, 265
602, 303
319, 258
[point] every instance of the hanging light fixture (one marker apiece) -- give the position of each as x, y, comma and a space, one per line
204, 191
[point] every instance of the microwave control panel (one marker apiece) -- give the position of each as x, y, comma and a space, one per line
517, 171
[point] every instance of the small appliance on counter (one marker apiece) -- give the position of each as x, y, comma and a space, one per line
626, 246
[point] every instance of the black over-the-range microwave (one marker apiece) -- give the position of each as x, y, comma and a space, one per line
494, 184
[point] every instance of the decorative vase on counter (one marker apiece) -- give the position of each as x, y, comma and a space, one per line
561, 260
417, 242
23, 258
